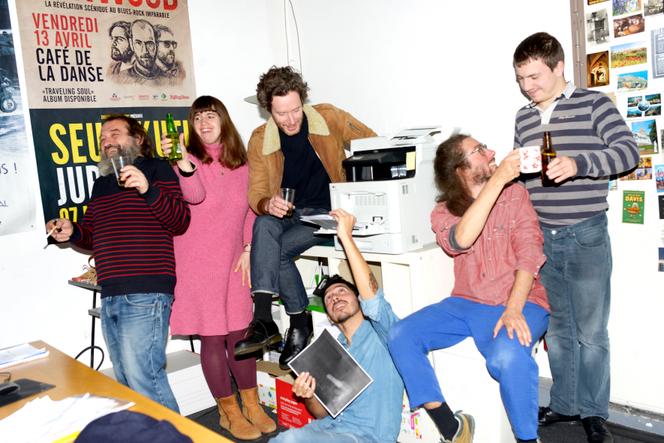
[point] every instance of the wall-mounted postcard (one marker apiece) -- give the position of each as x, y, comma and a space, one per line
632, 81
642, 172
633, 110
594, 2
339, 378
633, 207
629, 54
659, 178
640, 106
657, 54
653, 7
598, 69
652, 105
597, 26
625, 26
621, 7
660, 266
645, 134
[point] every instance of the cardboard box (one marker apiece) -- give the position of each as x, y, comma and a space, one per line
291, 411
416, 426
267, 389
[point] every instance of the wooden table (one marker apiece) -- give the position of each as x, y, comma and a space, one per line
73, 378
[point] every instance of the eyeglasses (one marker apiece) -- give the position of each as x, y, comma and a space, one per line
481, 148
169, 44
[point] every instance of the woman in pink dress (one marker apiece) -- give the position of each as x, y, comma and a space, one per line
212, 298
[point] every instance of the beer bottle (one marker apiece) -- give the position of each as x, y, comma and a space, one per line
548, 154
172, 133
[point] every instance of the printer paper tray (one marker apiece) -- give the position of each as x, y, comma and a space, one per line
329, 226
362, 231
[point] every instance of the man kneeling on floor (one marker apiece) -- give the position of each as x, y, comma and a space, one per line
488, 225
375, 415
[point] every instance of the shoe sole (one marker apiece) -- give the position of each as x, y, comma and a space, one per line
258, 346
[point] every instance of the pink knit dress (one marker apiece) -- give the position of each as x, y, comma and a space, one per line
209, 296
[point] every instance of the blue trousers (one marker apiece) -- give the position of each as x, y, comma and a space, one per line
450, 321
577, 277
320, 431
275, 244
135, 328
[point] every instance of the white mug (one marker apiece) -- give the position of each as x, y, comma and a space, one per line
531, 159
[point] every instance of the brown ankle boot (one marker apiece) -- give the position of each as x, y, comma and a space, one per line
231, 419
254, 411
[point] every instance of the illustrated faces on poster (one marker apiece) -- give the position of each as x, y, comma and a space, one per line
166, 48
120, 49
143, 43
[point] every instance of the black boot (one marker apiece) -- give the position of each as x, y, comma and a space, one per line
261, 333
297, 339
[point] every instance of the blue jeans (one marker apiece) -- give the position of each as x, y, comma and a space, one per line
450, 321
577, 277
319, 431
135, 327
276, 242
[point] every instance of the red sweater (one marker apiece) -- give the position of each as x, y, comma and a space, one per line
131, 235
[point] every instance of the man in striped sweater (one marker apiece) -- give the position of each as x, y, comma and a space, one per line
130, 230
592, 143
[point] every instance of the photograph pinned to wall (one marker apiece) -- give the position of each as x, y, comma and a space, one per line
597, 26
632, 81
629, 54
643, 171
621, 7
652, 105
645, 134
625, 26
594, 2
633, 110
657, 55
660, 266
17, 192
633, 207
659, 178
653, 7
598, 69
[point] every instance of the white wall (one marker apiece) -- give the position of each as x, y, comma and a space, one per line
392, 64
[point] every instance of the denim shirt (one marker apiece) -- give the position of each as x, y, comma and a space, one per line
376, 413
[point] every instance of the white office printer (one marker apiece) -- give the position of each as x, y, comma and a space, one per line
390, 189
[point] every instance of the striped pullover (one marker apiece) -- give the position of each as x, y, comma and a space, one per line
131, 235
586, 126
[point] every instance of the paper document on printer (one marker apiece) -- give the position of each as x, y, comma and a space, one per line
328, 225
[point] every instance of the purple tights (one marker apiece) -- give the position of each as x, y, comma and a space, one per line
217, 357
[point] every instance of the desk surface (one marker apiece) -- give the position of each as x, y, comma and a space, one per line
73, 378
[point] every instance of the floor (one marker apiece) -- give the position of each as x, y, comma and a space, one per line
558, 433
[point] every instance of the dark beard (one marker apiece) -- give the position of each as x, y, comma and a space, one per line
481, 178
105, 166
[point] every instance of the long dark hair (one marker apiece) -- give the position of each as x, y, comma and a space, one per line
233, 155
453, 192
